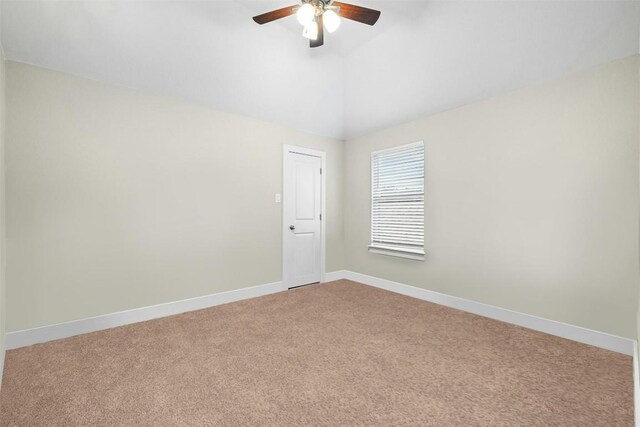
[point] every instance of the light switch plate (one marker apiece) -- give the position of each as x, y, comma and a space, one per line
278, 198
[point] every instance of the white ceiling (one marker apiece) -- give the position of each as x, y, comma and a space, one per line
420, 58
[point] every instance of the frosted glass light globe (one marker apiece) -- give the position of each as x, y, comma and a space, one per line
305, 14
331, 20
310, 31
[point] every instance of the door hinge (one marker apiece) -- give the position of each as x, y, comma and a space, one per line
320, 217
320, 171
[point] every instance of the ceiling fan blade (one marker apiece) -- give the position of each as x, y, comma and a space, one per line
357, 13
274, 14
319, 41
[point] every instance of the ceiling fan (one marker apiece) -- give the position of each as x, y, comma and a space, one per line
315, 15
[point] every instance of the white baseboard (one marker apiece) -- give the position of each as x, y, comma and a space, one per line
636, 385
552, 327
76, 327
335, 275
2, 352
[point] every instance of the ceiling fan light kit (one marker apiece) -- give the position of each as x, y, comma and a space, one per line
306, 14
310, 31
316, 15
331, 20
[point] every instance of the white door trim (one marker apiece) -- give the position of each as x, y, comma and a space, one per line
285, 227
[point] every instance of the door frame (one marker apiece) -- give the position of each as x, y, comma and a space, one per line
286, 280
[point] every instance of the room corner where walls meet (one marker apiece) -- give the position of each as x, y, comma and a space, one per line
3, 322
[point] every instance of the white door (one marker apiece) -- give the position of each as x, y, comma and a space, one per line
302, 210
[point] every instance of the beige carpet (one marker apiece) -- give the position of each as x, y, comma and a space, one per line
333, 354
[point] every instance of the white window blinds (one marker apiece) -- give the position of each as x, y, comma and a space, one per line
397, 202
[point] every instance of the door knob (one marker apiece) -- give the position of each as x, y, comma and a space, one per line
292, 227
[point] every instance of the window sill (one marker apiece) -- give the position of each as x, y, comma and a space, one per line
414, 255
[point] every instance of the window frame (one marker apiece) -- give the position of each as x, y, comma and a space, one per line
414, 254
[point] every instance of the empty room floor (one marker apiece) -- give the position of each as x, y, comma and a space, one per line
339, 353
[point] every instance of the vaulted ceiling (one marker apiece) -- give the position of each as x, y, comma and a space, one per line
422, 57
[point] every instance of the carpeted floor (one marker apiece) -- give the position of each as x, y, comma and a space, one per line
340, 353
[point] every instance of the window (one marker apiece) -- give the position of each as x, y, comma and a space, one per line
397, 201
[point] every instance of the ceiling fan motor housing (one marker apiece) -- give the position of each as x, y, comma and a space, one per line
320, 6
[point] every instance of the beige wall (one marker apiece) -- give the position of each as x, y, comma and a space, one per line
531, 200
117, 199
3, 322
